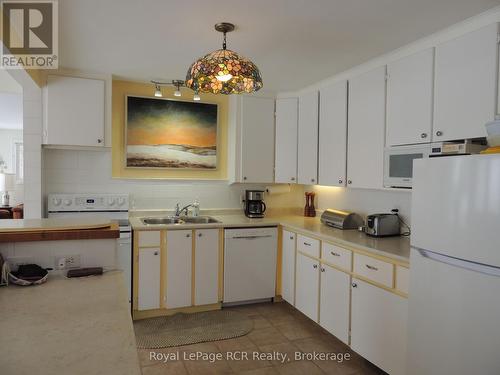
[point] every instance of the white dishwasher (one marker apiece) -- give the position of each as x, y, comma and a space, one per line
249, 264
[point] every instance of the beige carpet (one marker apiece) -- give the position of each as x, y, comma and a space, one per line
185, 329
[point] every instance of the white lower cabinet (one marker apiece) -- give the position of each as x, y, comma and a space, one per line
307, 286
149, 279
206, 267
334, 302
378, 326
288, 267
179, 268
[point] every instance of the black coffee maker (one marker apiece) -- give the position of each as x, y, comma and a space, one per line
254, 203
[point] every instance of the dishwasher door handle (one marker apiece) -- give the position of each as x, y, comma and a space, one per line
251, 237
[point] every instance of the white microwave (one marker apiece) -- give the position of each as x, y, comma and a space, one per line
398, 164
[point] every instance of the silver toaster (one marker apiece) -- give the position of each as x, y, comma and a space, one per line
382, 225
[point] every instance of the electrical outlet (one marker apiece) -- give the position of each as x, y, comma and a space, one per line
73, 261
63, 262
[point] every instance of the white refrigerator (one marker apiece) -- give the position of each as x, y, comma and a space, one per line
454, 296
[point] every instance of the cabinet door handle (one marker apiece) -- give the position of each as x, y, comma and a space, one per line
291, 237
156, 252
307, 244
340, 181
200, 234
315, 266
322, 269
371, 267
293, 178
349, 182
244, 178
334, 254
99, 141
423, 135
312, 180
354, 285
188, 235
439, 133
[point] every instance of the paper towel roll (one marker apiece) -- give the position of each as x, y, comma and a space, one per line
278, 189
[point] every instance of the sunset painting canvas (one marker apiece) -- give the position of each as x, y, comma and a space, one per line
162, 133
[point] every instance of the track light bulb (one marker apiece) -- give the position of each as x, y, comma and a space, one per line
158, 93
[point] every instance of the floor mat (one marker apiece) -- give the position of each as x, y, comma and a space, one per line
184, 329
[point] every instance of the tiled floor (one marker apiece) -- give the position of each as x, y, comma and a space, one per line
279, 328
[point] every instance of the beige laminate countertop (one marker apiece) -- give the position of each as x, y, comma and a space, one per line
68, 326
397, 248
29, 225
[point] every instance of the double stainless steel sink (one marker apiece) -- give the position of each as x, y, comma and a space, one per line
179, 220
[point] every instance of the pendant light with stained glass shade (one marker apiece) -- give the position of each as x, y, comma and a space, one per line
223, 71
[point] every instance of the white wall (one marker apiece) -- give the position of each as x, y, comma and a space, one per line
362, 201
72, 171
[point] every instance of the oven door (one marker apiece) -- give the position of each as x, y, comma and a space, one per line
398, 164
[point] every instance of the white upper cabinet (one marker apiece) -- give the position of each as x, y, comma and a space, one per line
366, 130
74, 111
307, 154
465, 85
409, 99
332, 135
286, 140
253, 135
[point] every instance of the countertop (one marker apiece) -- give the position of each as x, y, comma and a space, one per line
57, 229
397, 248
30, 225
68, 326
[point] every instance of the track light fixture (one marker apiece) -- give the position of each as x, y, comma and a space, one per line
177, 83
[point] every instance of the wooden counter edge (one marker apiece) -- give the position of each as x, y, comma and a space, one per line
110, 232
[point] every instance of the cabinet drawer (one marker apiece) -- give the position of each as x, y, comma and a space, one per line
149, 238
402, 279
308, 245
373, 269
336, 255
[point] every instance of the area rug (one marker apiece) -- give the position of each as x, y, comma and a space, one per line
184, 329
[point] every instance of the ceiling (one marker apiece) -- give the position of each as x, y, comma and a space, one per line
294, 42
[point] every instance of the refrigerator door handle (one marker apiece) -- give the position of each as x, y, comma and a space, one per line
457, 262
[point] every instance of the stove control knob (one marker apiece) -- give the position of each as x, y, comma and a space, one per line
121, 201
67, 202
56, 201
111, 201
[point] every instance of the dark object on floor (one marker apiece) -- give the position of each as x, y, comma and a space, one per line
30, 272
82, 272
27, 274
184, 329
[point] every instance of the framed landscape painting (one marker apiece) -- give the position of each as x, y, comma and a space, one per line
164, 133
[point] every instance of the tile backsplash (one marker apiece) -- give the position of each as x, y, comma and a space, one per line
78, 171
